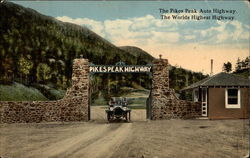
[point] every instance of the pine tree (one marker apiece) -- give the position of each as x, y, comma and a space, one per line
227, 67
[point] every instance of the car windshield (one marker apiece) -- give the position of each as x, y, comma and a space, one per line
118, 101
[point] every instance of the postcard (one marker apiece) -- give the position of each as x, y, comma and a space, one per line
124, 79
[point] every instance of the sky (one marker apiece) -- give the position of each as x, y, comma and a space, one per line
188, 43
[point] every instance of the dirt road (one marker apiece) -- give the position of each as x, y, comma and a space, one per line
148, 139
90, 141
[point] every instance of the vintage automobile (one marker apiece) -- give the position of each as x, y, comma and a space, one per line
118, 109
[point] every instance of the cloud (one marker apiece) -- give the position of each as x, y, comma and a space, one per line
142, 23
96, 26
225, 33
148, 29
140, 30
164, 37
240, 31
200, 40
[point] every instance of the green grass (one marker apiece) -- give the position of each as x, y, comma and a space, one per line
58, 94
19, 92
50, 93
136, 98
137, 107
100, 101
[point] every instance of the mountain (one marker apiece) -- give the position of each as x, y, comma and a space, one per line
141, 55
38, 50
41, 48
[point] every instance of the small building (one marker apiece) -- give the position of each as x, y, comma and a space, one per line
222, 96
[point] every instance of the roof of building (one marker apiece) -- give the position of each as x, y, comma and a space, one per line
221, 79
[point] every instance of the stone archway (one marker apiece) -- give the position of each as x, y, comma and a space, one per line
75, 104
164, 103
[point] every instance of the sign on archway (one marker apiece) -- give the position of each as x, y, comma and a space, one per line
120, 67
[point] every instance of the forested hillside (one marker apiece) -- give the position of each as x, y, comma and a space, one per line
38, 51
42, 48
142, 56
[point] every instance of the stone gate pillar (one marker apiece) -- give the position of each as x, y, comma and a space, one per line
165, 104
76, 100
161, 93
160, 84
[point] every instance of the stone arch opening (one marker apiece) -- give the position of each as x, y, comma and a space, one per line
163, 103
136, 97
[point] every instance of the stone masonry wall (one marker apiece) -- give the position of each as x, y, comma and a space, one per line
73, 107
165, 105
